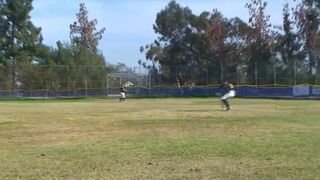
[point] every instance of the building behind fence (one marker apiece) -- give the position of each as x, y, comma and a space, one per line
77, 81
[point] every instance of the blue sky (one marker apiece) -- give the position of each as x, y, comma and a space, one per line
128, 22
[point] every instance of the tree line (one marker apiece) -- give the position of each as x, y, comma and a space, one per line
27, 63
210, 48
200, 48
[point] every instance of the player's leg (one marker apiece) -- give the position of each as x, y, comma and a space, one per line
227, 104
223, 106
232, 94
224, 100
121, 97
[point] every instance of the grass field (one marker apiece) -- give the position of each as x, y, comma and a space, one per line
182, 138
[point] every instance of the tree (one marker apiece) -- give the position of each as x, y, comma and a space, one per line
19, 38
191, 47
259, 40
308, 22
89, 63
152, 54
288, 41
289, 48
236, 52
83, 32
173, 24
216, 33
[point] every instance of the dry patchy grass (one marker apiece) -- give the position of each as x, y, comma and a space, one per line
178, 138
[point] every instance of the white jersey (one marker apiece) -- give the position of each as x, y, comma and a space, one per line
123, 95
230, 94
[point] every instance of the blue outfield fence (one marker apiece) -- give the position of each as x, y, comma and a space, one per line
241, 91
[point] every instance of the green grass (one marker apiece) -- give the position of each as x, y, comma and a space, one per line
171, 138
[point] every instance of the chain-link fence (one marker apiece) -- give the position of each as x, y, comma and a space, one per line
28, 80
270, 74
59, 80
40, 81
134, 82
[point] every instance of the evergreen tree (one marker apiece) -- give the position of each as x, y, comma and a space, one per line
19, 38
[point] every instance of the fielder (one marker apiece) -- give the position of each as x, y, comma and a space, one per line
230, 93
122, 93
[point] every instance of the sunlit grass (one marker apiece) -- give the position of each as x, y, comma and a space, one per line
159, 139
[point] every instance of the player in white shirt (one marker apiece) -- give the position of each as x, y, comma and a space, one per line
230, 93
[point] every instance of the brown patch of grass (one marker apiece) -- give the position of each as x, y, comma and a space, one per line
159, 139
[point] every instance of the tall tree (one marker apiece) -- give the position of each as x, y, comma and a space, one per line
216, 35
289, 48
84, 32
89, 63
259, 40
173, 24
289, 37
19, 38
190, 47
308, 23
236, 55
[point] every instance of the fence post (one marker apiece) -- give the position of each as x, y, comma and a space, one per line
237, 78
86, 81
149, 76
147, 80
13, 78
103, 79
221, 72
294, 72
68, 80
46, 88
316, 72
274, 72
255, 73
107, 84
207, 75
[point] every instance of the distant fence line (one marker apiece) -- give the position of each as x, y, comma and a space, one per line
241, 91
94, 80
